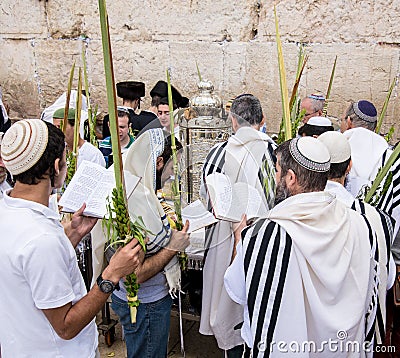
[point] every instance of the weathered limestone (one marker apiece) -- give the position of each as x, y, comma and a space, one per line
233, 43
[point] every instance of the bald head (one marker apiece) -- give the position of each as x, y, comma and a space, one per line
312, 106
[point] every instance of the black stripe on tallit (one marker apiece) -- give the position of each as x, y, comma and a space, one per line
271, 151
217, 162
387, 226
260, 175
249, 251
277, 301
369, 335
209, 233
258, 267
379, 318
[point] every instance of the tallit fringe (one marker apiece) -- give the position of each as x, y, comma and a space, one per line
173, 274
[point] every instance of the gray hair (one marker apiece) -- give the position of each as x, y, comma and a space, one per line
316, 104
247, 110
357, 121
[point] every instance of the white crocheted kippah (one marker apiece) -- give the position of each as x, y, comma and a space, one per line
23, 145
310, 153
338, 146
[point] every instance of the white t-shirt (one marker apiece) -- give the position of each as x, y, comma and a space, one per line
4, 186
40, 271
90, 153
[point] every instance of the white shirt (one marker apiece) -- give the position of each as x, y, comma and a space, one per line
340, 192
4, 186
40, 271
90, 153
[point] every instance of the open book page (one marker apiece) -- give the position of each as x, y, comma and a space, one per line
197, 215
249, 201
231, 202
219, 190
91, 184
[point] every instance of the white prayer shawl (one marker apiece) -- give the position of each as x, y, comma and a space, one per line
367, 150
140, 160
241, 159
382, 225
309, 276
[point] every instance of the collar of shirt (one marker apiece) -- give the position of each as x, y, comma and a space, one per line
31, 205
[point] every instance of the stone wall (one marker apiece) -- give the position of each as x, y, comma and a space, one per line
232, 41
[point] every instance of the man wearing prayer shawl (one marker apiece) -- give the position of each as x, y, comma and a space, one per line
159, 275
245, 157
306, 275
340, 152
369, 152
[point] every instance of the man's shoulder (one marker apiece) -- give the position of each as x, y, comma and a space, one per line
147, 114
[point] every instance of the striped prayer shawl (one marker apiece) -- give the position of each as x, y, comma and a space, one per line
381, 251
267, 248
390, 200
266, 260
246, 157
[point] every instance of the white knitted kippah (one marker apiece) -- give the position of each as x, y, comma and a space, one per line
319, 121
23, 145
310, 153
338, 146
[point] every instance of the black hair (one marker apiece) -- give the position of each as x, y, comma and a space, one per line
164, 101
310, 130
54, 150
247, 110
338, 170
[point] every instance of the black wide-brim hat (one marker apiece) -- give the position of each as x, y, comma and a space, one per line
161, 89
130, 90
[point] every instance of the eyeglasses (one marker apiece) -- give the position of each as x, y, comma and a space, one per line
310, 114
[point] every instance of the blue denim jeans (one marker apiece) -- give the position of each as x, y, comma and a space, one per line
148, 337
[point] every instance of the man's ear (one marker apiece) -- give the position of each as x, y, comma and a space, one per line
349, 123
159, 163
57, 166
235, 125
349, 167
291, 179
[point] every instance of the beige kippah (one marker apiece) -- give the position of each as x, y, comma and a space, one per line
338, 146
23, 145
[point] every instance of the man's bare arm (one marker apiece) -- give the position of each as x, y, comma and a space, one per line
69, 319
154, 264
78, 226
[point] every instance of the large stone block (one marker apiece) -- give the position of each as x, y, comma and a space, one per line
22, 19
205, 20
19, 80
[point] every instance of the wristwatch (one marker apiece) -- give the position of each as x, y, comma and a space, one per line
106, 286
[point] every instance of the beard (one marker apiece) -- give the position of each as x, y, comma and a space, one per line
282, 192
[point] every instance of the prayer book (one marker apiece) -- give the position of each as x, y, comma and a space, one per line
230, 201
198, 216
92, 184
